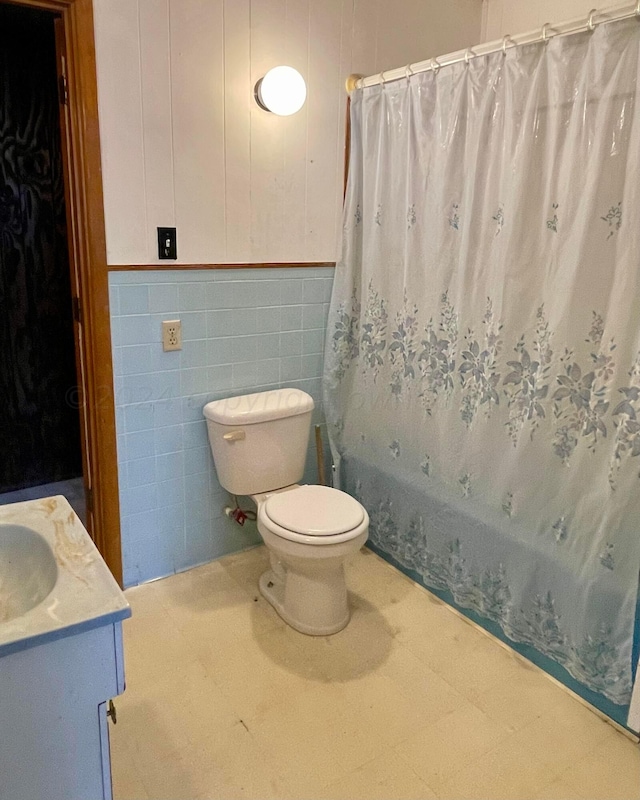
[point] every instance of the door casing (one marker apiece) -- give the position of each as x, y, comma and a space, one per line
88, 259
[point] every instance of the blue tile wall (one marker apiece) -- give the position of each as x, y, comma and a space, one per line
243, 331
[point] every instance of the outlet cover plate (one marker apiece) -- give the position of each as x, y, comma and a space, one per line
171, 335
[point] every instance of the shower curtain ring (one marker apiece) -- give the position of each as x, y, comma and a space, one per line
469, 54
382, 79
506, 41
545, 35
408, 71
591, 25
435, 65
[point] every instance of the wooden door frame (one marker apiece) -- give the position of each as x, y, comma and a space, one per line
88, 255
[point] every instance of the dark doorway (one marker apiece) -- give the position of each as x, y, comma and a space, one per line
40, 440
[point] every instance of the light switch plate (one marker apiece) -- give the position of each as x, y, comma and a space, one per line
167, 243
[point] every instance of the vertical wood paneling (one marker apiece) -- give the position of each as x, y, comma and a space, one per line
346, 69
492, 23
197, 100
518, 16
365, 36
267, 141
184, 143
569, 9
414, 36
324, 83
121, 129
238, 95
296, 157
156, 117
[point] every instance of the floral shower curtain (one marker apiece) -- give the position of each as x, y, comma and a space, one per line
482, 373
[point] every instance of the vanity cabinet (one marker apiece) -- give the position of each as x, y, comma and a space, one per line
54, 730
61, 656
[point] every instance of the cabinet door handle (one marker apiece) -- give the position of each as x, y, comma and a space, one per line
111, 712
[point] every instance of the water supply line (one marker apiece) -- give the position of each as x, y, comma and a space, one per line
239, 514
322, 479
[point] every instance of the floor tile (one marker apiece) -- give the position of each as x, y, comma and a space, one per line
554, 741
126, 779
559, 790
334, 728
611, 771
154, 650
224, 700
438, 751
507, 773
432, 696
253, 683
228, 767
186, 707
306, 736
380, 779
466, 658
519, 702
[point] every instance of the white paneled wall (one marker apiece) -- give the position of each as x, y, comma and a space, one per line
184, 144
519, 16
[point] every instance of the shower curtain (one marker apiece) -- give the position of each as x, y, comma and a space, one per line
482, 371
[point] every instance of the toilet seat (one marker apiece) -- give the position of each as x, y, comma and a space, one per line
317, 515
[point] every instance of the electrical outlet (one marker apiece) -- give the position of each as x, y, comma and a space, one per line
171, 334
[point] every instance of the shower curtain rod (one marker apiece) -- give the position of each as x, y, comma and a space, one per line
596, 17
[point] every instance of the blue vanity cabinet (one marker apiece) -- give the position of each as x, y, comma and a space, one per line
54, 729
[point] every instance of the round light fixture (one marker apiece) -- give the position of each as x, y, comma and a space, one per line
281, 91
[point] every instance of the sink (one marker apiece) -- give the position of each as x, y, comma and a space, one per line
53, 581
28, 570
61, 654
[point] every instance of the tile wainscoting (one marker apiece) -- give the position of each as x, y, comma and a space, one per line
243, 331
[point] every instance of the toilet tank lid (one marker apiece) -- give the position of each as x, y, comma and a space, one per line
249, 409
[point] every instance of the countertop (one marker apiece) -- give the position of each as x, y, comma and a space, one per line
85, 594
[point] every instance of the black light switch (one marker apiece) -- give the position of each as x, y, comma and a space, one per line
167, 246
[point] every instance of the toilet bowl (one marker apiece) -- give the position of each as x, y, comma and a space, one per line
310, 531
259, 444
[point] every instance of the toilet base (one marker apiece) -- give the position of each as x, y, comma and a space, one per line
288, 599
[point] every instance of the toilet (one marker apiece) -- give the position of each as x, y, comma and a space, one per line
259, 443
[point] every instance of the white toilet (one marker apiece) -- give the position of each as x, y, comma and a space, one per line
259, 444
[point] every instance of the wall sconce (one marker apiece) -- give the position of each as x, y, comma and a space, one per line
282, 91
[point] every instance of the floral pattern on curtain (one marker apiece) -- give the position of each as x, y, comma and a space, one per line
482, 367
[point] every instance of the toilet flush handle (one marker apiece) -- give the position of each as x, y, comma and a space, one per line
234, 436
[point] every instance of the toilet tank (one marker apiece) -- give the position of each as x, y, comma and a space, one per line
259, 441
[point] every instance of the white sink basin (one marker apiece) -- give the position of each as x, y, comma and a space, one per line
53, 581
28, 570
